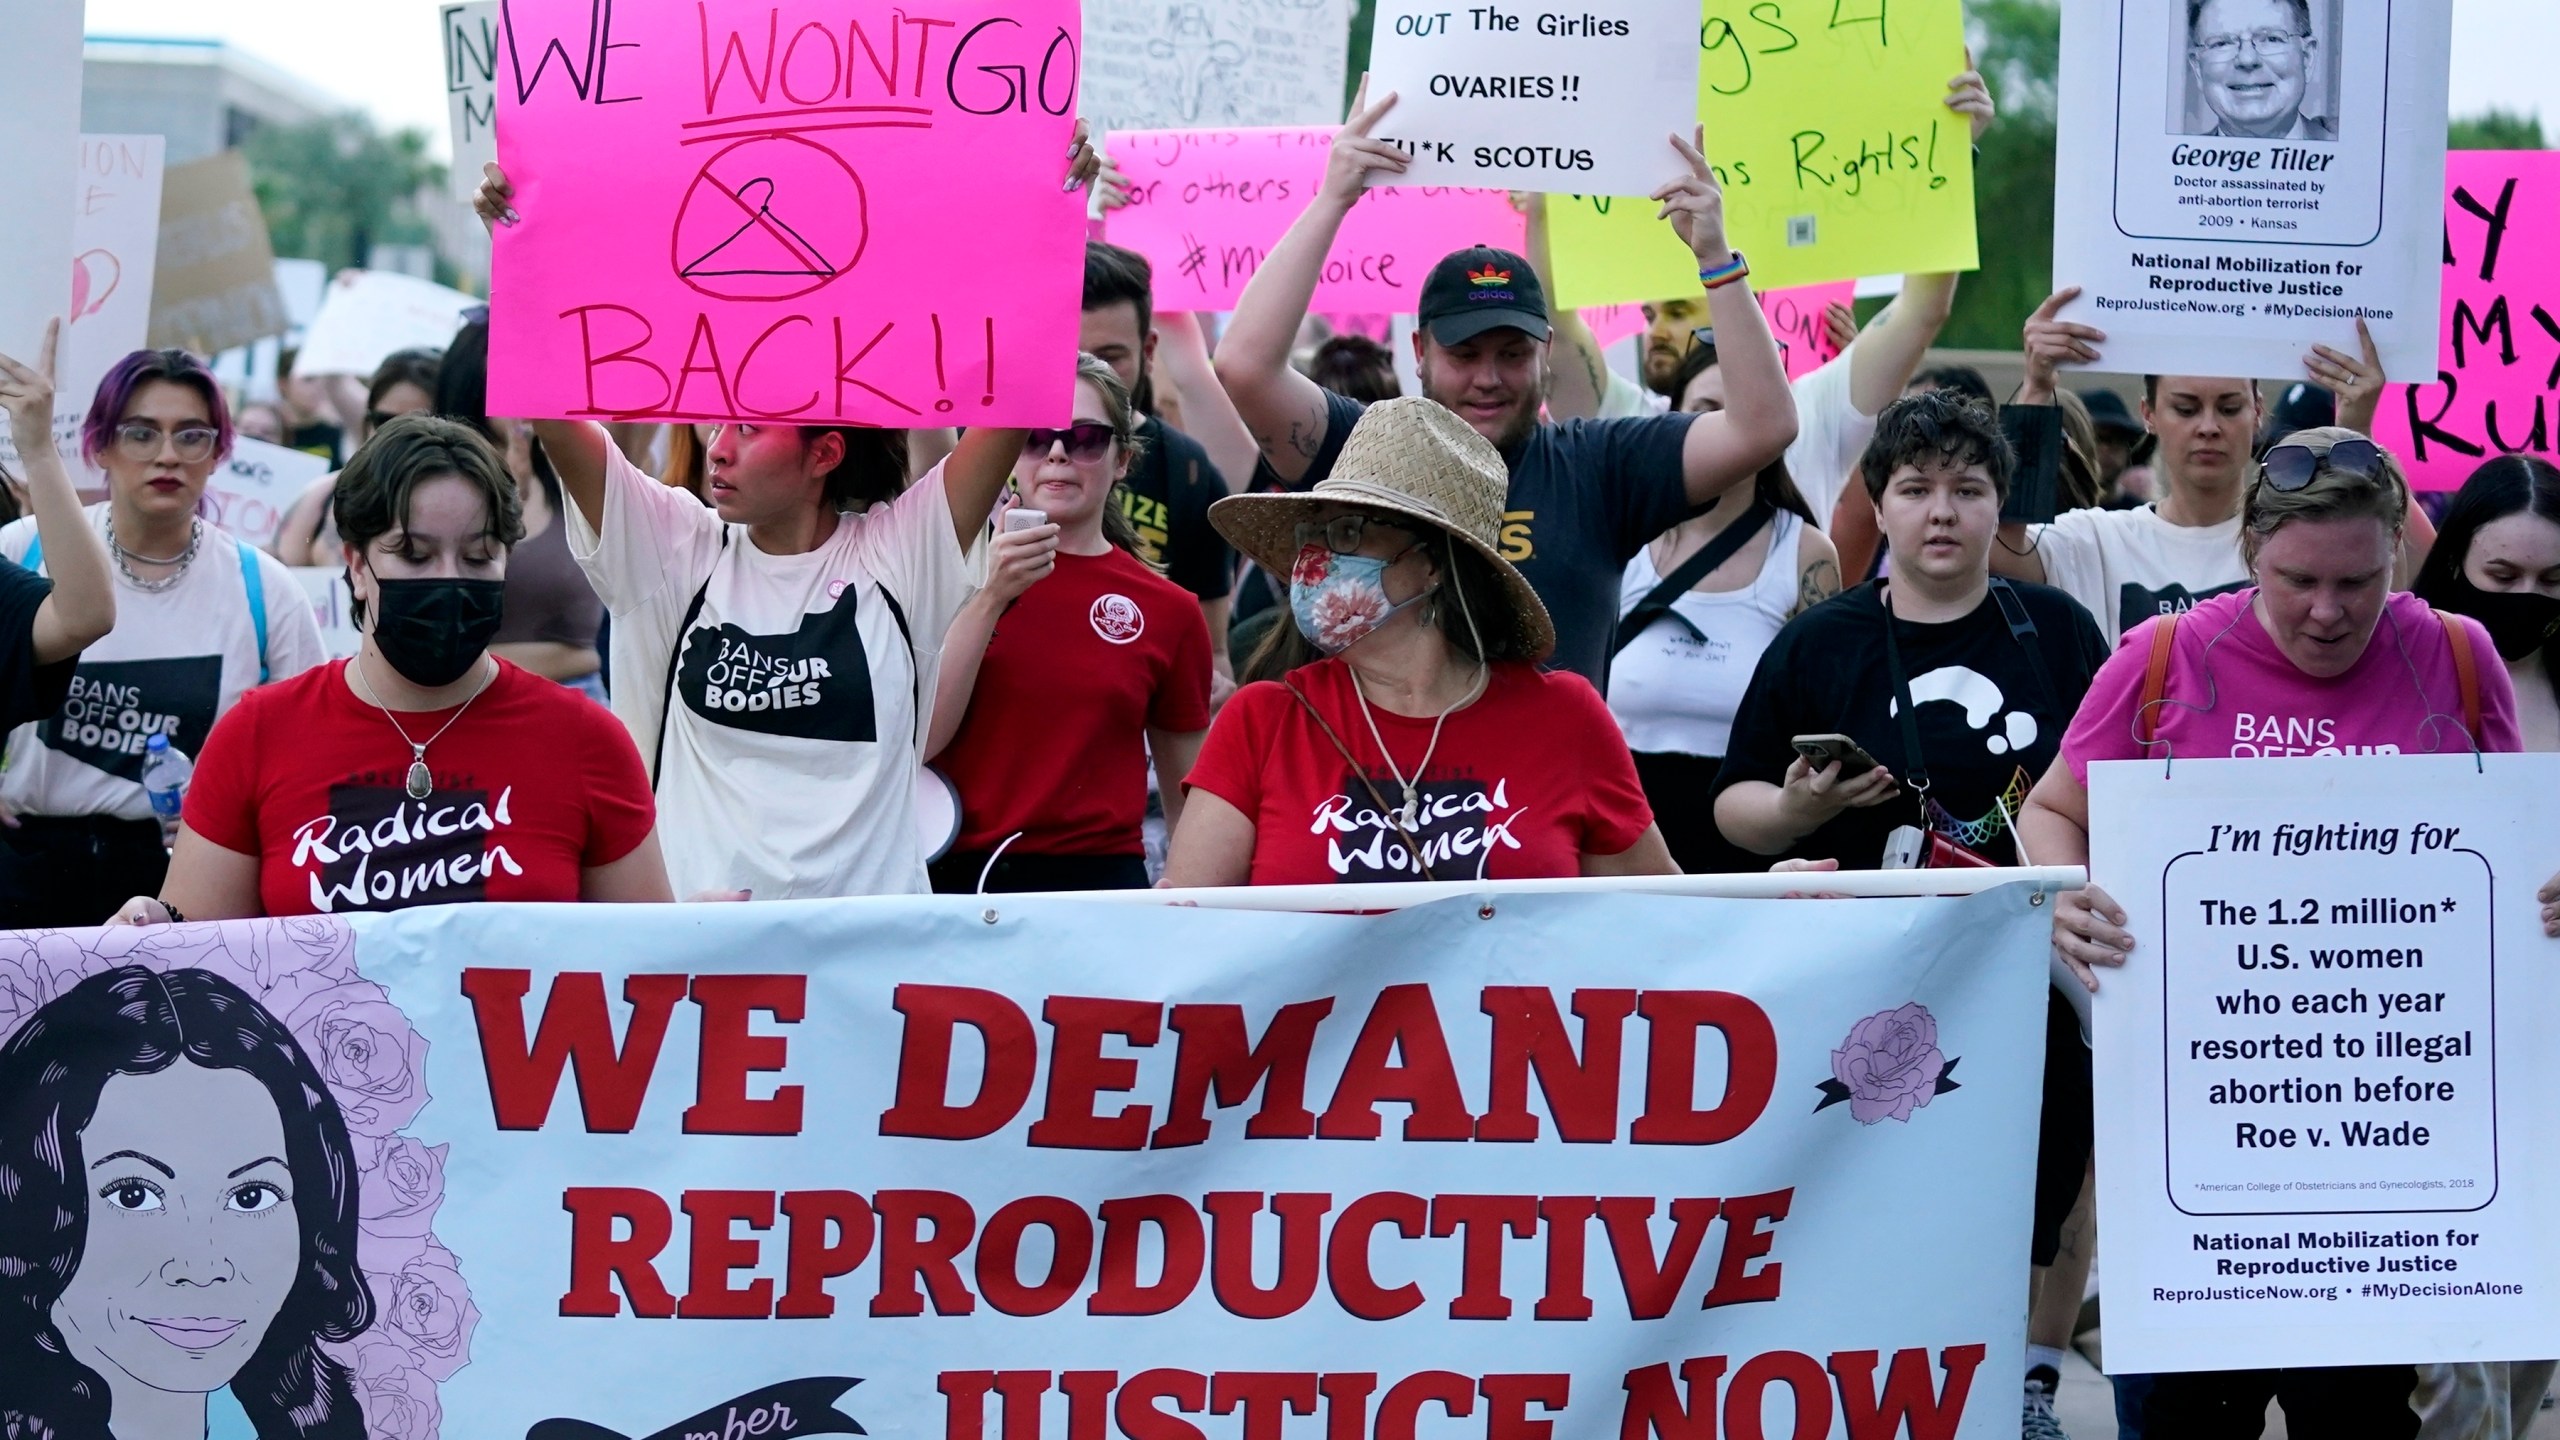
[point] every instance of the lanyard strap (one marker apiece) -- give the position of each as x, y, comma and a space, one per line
1915, 769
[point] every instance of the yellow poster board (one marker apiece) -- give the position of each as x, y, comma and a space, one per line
1827, 127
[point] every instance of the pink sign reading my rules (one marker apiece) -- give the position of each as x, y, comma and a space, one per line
2497, 389
1205, 207
811, 210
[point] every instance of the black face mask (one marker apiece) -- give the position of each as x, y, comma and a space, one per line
2519, 622
433, 631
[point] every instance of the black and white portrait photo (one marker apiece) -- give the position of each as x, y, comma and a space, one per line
2257, 70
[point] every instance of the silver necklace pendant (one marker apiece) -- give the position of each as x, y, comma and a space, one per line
421, 780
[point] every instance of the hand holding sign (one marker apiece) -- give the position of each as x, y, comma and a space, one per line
1694, 204
1357, 156
2052, 343
2358, 383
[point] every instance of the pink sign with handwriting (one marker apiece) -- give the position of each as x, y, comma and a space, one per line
2497, 389
1205, 207
804, 211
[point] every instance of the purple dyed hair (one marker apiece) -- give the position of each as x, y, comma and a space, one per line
138, 369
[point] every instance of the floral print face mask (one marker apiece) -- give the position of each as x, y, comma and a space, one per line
1339, 599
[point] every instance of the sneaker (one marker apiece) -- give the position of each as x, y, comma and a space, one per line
2038, 1422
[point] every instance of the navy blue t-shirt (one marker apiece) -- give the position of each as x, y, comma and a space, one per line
1586, 495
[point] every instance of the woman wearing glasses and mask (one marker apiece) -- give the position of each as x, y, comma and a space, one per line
201, 617
425, 770
1076, 641
1411, 734
2320, 640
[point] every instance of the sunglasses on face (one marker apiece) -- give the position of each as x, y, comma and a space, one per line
1344, 534
1085, 440
140, 440
2288, 468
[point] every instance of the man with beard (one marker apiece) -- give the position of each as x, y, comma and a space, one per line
2126, 566
1170, 487
2251, 60
1585, 495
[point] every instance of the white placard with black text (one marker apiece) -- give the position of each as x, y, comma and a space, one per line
2324, 1076
1524, 98
471, 91
2234, 187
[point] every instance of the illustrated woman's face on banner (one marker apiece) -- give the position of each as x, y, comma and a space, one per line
2252, 58
192, 1244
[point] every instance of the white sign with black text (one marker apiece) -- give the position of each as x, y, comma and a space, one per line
2237, 180
471, 91
1582, 101
2325, 1134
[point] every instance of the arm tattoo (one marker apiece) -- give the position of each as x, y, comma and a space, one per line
1820, 581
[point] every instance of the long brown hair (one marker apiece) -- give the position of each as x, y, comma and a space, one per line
1122, 416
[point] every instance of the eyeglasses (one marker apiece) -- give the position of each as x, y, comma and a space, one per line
2223, 49
140, 440
1085, 440
1343, 534
2288, 468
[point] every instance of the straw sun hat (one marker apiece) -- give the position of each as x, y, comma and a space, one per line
1413, 459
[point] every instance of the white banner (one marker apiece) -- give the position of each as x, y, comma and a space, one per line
1584, 102
1149, 65
2235, 187
2325, 1134
1581, 1164
471, 91
367, 314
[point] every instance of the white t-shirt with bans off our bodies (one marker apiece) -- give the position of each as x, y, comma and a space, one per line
2126, 566
791, 689
176, 661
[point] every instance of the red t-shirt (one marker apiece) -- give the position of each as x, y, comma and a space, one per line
532, 785
1525, 782
1083, 664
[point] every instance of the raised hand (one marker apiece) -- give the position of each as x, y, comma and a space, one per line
1968, 95
1694, 204
2357, 382
1357, 153
2052, 343
494, 202
26, 391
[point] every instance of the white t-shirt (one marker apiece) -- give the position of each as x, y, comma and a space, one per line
2125, 566
1675, 693
175, 662
788, 764
1830, 433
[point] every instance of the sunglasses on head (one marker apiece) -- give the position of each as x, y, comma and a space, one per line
2288, 468
1085, 440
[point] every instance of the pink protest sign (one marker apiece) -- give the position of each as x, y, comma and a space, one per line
1795, 316
811, 210
2498, 339
1205, 206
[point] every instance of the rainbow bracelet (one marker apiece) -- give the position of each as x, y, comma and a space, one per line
1726, 273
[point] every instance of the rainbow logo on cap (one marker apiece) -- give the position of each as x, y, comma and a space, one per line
1488, 276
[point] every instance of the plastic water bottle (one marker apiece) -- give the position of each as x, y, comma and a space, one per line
165, 773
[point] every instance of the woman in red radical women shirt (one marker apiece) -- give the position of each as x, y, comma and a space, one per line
425, 770
1425, 744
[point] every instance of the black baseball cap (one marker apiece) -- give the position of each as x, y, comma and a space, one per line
2302, 406
1480, 289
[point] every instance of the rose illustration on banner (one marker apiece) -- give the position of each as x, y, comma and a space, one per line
1889, 1066
302, 974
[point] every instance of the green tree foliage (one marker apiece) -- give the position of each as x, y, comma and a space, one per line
2018, 45
334, 188
2496, 130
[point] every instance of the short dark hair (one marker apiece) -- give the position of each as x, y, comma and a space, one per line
418, 366
373, 493
2301, 10
873, 470
1357, 366
1695, 361
1937, 427
1962, 379
1112, 275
